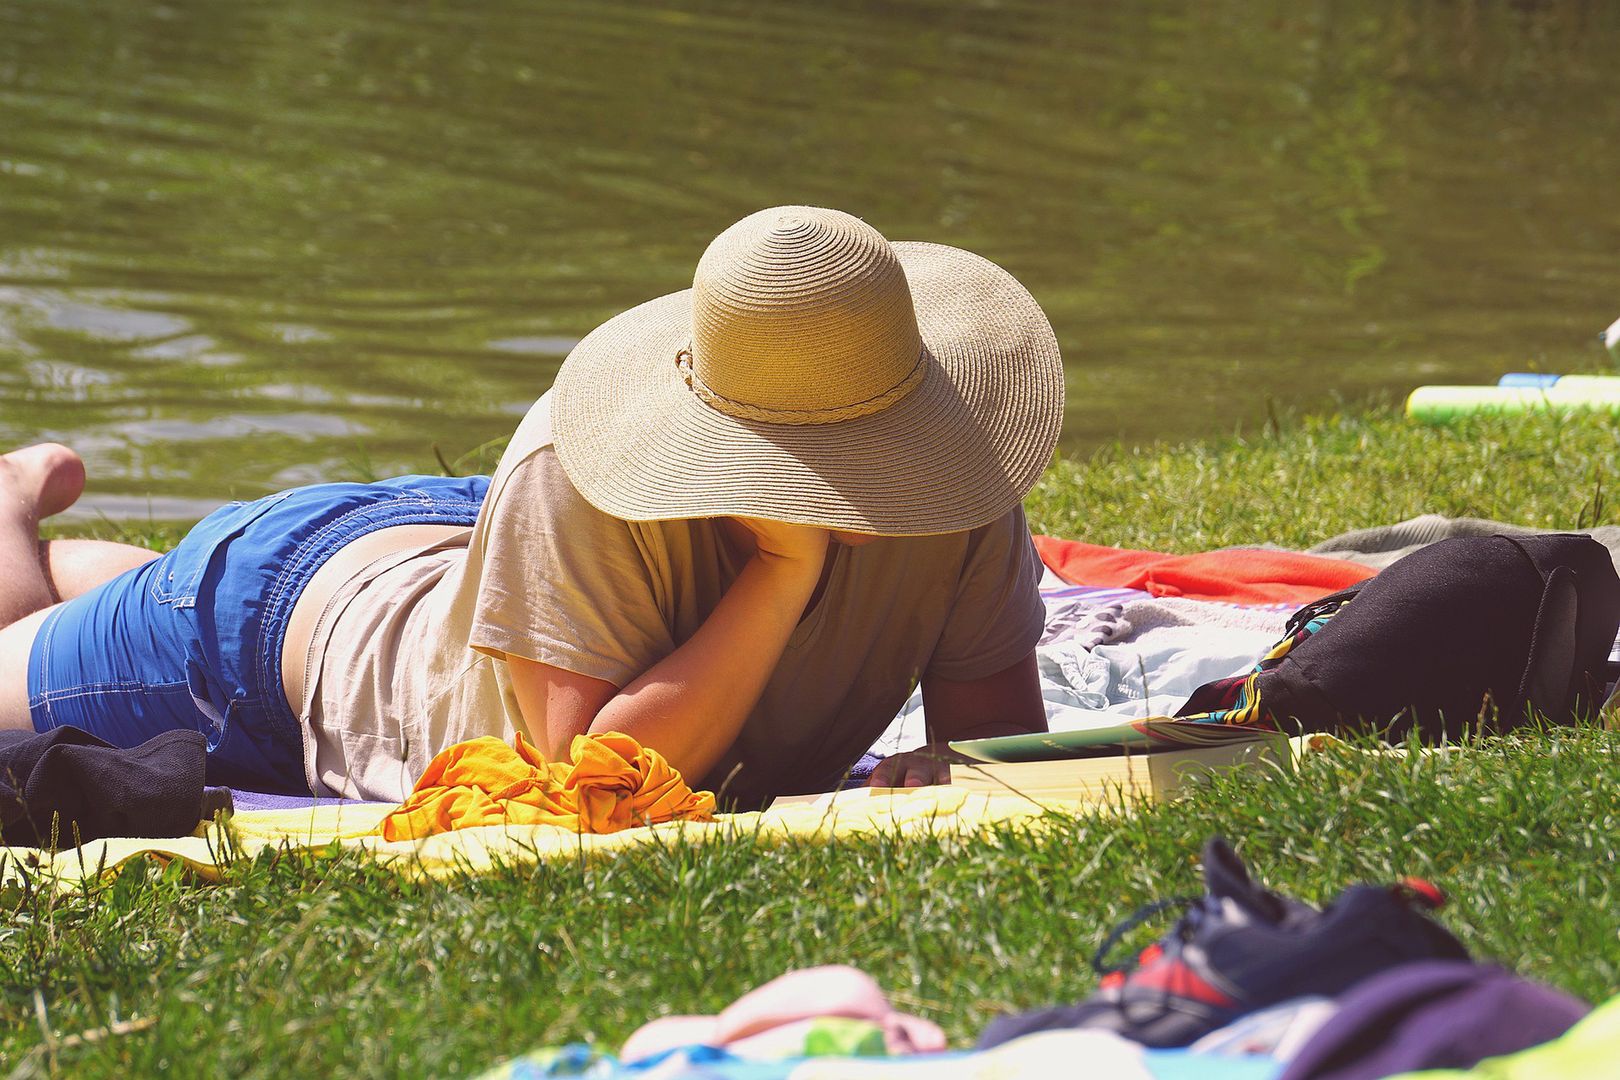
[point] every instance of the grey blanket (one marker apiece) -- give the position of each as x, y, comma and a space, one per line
1380, 546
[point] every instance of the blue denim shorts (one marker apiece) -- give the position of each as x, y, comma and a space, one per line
193, 639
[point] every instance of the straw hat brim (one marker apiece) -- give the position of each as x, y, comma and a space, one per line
957, 452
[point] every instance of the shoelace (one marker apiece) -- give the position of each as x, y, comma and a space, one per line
1188, 922
1414, 890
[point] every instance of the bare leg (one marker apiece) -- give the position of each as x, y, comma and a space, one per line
35, 482
74, 567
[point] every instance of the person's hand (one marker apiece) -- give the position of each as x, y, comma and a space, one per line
921, 767
777, 540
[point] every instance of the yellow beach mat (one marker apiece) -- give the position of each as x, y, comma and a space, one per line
355, 826
352, 826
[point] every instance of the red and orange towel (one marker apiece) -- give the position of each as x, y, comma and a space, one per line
612, 783
1235, 575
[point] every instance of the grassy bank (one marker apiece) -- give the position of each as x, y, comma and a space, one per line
1303, 480
304, 964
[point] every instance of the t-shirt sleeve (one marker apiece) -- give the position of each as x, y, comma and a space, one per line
561, 582
997, 616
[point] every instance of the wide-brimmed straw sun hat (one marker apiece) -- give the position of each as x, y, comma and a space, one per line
815, 373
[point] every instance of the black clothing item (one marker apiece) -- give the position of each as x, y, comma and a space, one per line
1465, 630
92, 789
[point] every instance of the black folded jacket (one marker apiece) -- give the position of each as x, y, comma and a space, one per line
84, 788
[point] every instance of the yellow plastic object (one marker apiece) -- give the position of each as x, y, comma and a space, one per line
1444, 404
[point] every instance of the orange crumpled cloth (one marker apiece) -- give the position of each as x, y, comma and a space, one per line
613, 783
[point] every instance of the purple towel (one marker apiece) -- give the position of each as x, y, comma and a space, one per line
1434, 1014
860, 772
264, 800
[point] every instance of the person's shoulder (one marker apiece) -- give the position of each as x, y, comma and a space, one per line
532, 436
1012, 521
530, 480
531, 486
1007, 531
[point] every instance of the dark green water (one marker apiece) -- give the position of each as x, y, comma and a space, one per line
247, 245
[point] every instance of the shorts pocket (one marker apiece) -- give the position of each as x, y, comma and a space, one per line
178, 574
211, 702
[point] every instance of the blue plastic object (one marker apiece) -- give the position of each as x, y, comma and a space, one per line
1527, 378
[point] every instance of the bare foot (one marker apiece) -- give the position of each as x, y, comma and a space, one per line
46, 478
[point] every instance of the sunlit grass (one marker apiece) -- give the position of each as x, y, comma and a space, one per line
306, 964
319, 963
1319, 476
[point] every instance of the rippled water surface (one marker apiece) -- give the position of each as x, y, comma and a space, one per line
244, 246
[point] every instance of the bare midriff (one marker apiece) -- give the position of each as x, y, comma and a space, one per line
313, 606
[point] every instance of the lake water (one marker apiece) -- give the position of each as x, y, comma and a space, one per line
245, 246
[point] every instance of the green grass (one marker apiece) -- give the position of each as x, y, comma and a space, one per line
305, 963
1305, 480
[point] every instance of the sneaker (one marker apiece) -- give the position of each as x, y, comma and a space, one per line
1241, 948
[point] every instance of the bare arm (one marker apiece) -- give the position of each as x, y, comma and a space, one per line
690, 706
1006, 703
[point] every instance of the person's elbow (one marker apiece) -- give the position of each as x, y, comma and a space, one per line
556, 704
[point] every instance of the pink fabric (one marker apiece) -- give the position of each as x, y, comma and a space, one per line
1236, 575
789, 1001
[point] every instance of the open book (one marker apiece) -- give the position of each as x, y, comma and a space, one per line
1112, 737
1114, 760
1129, 760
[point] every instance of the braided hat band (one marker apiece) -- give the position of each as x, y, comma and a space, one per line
742, 410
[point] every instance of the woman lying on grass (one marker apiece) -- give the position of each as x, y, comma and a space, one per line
743, 523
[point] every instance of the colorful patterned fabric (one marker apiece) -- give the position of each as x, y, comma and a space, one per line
1237, 700
1046, 1054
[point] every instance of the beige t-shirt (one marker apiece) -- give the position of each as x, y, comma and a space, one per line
415, 656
